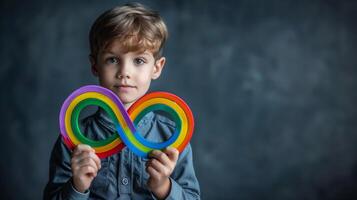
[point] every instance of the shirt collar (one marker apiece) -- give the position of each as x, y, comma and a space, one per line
102, 115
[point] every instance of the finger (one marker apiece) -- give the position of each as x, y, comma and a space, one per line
159, 167
85, 147
88, 170
152, 172
76, 152
82, 148
79, 156
93, 156
161, 156
88, 161
172, 153
97, 160
89, 155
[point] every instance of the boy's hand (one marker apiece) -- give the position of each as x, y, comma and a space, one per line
160, 167
85, 165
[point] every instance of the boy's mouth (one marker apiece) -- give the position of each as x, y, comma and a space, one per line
124, 88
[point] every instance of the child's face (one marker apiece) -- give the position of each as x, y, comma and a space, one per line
126, 74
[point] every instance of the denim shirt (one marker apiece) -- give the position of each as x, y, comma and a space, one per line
122, 175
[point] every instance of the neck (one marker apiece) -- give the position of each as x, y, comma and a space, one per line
127, 106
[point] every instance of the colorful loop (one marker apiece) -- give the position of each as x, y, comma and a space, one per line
123, 120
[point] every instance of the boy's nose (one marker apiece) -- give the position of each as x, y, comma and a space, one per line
124, 71
123, 75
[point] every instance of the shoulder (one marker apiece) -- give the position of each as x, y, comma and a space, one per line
163, 118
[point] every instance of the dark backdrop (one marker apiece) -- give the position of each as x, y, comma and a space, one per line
272, 85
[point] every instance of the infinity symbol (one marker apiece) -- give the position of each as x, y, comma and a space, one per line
125, 122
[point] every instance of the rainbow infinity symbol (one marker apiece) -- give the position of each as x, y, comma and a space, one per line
124, 121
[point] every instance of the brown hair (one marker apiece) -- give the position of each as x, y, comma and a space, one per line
137, 28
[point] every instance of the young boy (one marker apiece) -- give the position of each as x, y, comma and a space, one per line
126, 54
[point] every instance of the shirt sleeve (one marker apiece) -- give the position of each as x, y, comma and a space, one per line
60, 185
184, 184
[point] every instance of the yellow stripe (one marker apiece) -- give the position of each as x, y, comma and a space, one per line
106, 100
175, 107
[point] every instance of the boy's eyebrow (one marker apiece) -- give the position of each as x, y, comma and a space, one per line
136, 53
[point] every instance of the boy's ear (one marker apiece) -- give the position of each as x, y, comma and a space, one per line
93, 65
159, 65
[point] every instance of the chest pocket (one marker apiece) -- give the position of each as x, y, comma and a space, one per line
100, 183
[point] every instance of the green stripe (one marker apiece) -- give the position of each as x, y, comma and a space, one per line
76, 129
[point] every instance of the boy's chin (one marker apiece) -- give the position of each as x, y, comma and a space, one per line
126, 100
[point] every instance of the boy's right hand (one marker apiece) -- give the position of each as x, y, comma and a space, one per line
85, 165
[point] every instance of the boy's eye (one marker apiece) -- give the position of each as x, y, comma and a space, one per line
113, 60
139, 61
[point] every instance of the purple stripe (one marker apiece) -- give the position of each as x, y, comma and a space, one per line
93, 88
64, 108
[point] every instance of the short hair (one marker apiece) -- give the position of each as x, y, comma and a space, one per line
137, 28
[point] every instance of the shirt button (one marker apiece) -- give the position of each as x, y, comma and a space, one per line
124, 181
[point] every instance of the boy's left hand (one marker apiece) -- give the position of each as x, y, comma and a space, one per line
160, 167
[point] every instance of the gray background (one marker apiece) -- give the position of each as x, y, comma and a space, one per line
272, 85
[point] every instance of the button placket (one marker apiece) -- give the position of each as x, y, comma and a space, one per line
123, 178
125, 181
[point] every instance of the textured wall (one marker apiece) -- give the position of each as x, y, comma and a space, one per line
272, 85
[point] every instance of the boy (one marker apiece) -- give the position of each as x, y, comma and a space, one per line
126, 46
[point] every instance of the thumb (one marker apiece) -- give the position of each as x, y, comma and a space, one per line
172, 153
